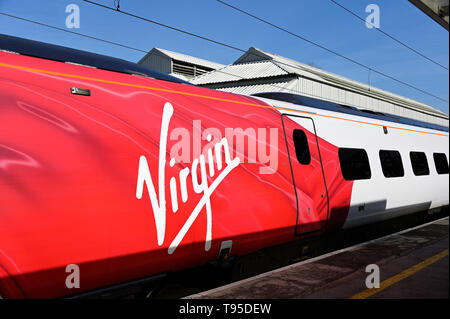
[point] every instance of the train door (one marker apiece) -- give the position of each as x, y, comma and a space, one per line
307, 173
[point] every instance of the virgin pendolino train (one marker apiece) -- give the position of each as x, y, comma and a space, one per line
116, 173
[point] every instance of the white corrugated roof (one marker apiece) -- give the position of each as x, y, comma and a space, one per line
190, 59
257, 64
236, 72
258, 88
297, 67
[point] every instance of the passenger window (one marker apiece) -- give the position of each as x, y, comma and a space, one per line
419, 163
301, 147
354, 164
391, 163
440, 160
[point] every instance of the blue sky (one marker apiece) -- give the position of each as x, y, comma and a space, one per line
319, 20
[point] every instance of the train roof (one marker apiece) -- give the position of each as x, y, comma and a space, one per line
65, 54
341, 108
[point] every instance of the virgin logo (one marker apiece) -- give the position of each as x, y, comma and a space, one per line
158, 201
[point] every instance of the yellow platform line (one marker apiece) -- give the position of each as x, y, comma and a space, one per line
404, 274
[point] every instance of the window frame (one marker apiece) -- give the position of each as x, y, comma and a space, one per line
383, 163
301, 157
352, 176
439, 170
414, 166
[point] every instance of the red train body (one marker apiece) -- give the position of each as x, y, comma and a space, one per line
121, 183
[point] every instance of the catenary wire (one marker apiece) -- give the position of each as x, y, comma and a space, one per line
140, 50
390, 36
331, 51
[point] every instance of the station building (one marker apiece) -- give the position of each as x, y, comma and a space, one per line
177, 64
259, 71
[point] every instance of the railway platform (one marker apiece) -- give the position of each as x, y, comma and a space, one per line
409, 264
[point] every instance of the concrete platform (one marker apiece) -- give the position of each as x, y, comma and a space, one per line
412, 264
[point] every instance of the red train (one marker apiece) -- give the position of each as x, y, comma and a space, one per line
111, 172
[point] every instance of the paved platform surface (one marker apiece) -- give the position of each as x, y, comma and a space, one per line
412, 264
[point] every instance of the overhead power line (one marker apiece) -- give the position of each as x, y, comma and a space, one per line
182, 31
390, 36
140, 50
132, 48
331, 51
144, 51
72, 32
164, 25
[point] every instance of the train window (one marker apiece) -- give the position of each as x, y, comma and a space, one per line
440, 160
391, 163
301, 147
419, 163
354, 164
